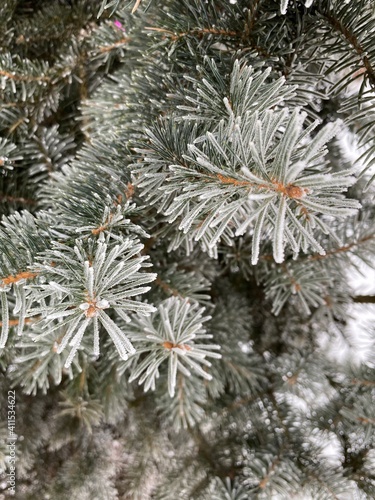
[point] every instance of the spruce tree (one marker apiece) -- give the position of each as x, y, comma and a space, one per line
186, 194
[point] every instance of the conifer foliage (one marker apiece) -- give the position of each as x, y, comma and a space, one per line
186, 196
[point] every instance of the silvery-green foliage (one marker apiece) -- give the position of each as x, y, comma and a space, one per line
265, 181
47, 152
226, 490
305, 280
31, 82
226, 168
96, 198
173, 334
73, 406
108, 4
262, 173
351, 76
215, 96
114, 222
177, 282
260, 466
22, 237
78, 284
38, 365
8, 155
187, 408
300, 373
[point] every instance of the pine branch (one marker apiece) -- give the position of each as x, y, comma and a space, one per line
345, 248
353, 41
178, 145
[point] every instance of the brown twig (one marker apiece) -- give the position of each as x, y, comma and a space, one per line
15, 322
8, 280
123, 41
343, 249
15, 199
364, 299
199, 32
136, 5
24, 78
167, 288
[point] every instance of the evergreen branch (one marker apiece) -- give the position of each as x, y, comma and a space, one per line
263, 483
306, 282
291, 191
103, 227
343, 249
22, 236
254, 13
354, 42
202, 32
281, 417
230, 164
323, 483
186, 408
228, 487
167, 288
172, 335
275, 186
82, 283
16, 124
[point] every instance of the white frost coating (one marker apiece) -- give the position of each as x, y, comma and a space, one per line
321, 138
96, 351
278, 243
122, 343
68, 335
5, 319
76, 342
22, 311
58, 287
90, 279
123, 314
102, 304
61, 314
283, 6
256, 236
91, 308
172, 332
227, 106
